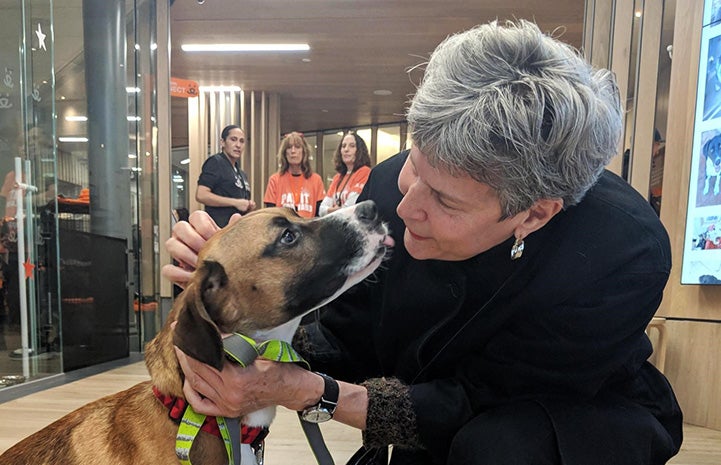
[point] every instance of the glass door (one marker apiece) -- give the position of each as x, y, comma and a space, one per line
29, 315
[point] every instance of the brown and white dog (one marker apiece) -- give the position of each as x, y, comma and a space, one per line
257, 277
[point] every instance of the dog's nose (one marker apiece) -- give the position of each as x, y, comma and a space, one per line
367, 213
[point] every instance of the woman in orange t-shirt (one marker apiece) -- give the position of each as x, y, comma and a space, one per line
352, 162
295, 185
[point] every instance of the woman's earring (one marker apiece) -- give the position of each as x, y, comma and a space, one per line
517, 249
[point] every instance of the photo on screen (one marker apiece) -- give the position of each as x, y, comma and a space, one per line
708, 181
703, 251
712, 96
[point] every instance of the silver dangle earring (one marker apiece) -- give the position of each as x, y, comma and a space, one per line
517, 249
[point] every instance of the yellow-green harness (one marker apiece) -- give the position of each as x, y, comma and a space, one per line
242, 350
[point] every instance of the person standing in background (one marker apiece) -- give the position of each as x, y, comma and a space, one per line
222, 186
295, 185
352, 162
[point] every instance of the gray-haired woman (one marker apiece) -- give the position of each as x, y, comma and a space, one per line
508, 324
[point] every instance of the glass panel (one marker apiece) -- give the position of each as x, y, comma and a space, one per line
389, 141
179, 181
312, 140
633, 71
92, 252
29, 315
142, 117
330, 143
663, 85
367, 135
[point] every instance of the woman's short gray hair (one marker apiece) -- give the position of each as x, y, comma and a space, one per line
519, 111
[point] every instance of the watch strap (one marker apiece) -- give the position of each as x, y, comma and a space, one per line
331, 391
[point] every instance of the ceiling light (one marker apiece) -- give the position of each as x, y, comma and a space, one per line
185, 161
76, 118
72, 139
245, 47
382, 92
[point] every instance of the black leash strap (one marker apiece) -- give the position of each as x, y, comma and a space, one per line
233, 425
317, 444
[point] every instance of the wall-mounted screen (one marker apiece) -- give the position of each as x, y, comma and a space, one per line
702, 244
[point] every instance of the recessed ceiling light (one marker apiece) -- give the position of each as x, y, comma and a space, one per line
245, 47
382, 92
72, 139
76, 118
305, 60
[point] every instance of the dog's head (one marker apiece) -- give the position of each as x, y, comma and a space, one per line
271, 267
712, 148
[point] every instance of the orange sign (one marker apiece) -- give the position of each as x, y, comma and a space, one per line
183, 88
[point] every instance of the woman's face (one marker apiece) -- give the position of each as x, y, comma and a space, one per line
294, 154
447, 217
234, 144
348, 150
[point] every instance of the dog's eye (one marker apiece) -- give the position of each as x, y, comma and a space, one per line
288, 237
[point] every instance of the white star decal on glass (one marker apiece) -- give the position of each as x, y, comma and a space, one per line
41, 38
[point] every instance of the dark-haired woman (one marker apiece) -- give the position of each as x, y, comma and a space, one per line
222, 186
352, 163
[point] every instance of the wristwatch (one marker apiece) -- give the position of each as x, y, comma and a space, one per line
324, 409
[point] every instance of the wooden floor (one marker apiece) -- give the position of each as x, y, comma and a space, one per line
286, 443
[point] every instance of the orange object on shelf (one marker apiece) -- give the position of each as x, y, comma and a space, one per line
147, 307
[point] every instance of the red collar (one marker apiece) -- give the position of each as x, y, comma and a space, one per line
177, 406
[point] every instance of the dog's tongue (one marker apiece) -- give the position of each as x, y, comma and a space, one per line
388, 241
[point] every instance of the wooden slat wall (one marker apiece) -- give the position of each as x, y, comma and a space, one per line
693, 312
692, 363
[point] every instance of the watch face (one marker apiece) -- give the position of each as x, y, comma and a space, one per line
317, 415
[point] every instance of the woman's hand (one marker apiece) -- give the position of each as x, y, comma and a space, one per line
245, 206
236, 391
187, 239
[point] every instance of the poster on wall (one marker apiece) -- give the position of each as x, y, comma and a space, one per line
702, 244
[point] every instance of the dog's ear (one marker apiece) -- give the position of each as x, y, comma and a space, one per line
196, 333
